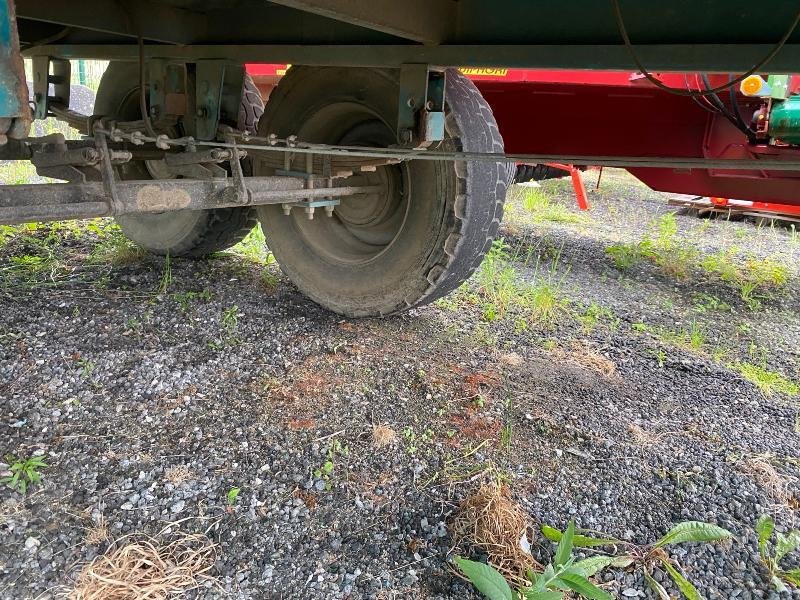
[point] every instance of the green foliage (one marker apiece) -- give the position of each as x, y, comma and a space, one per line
503, 290
543, 209
673, 257
185, 299
566, 575
232, 495
755, 278
578, 540
24, 472
563, 574
693, 531
325, 471
166, 277
773, 552
254, 248
486, 579
230, 318
594, 315
624, 256
769, 382
113, 248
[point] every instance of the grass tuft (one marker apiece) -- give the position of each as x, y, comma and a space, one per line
769, 382
543, 209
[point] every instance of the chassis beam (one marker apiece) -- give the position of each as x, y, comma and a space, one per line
58, 201
726, 58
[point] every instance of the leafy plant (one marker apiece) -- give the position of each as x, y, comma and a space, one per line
232, 495
325, 471
624, 256
24, 473
772, 553
230, 318
185, 299
166, 277
565, 574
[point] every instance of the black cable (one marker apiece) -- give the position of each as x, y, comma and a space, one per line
745, 127
735, 120
49, 39
680, 92
701, 103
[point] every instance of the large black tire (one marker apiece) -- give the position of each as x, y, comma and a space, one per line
539, 172
190, 233
420, 238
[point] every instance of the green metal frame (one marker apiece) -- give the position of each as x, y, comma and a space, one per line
679, 35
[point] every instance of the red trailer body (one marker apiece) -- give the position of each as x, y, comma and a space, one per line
615, 113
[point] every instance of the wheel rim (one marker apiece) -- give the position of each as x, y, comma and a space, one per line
361, 228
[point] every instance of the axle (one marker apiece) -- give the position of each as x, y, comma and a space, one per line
53, 202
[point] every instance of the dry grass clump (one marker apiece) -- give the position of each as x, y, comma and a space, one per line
178, 474
145, 568
581, 354
490, 520
97, 533
774, 484
383, 435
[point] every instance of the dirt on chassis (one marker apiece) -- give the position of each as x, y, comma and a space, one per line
327, 457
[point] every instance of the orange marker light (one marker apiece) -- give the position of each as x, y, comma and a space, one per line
754, 85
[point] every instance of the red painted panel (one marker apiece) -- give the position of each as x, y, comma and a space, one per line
615, 113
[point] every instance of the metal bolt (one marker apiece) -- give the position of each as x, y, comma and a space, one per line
406, 136
429, 105
410, 102
287, 209
309, 210
201, 111
329, 210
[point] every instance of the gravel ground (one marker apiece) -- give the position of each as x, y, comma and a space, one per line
153, 391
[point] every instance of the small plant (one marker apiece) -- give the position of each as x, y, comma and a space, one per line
596, 314
769, 382
566, 575
86, 366
166, 277
542, 208
232, 495
624, 256
772, 553
325, 471
24, 472
185, 299
230, 318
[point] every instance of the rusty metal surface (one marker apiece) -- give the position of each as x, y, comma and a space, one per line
49, 202
15, 115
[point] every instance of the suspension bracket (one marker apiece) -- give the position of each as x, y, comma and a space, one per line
420, 112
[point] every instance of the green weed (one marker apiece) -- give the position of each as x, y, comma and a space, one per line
543, 209
24, 472
185, 299
325, 471
596, 314
567, 577
773, 552
165, 281
232, 495
769, 382
754, 278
